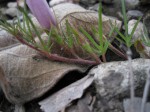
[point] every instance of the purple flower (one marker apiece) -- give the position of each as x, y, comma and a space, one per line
42, 12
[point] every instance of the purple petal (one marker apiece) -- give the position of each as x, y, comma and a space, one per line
42, 12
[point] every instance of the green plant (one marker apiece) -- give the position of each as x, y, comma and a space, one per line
74, 38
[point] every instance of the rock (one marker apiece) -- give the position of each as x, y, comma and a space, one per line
12, 12
134, 14
131, 4
12, 5
55, 2
138, 32
112, 83
146, 21
137, 105
114, 9
139, 35
147, 51
109, 10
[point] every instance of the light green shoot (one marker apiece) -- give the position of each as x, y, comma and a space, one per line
126, 38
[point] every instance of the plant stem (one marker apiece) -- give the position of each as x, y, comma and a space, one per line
104, 58
132, 94
116, 51
55, 57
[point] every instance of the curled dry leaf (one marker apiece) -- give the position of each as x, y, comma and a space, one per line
6, 39
24, 78
56, 102
79, 17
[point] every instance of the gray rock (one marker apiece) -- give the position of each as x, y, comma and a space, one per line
13, 12
113, 78
12, 5
134, 14
147, 51
131, 4
109, 10
137, 105
138, 32
114, 9
112, 82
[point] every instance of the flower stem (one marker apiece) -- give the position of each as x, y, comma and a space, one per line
55, 57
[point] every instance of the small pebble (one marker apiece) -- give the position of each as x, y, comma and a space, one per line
134, 14
12, 5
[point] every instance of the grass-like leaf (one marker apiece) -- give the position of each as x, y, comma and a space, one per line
100, 25
125, 17
134, 28
69, 37
34, 28
90, 38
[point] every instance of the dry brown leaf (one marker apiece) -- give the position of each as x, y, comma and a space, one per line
62, 98
6, 39
78, 16
24, 78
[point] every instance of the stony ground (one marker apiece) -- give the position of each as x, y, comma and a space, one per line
110, 8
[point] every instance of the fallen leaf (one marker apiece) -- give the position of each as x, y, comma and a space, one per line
62, 98
6, 40
24, 78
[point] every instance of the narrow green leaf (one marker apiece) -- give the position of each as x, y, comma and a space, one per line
57, 36
121, 41
100, 25
87, 47
120, 34
125, 17
49, 37
34, 28
6, 26
89, 37
134, 28
69, 34
106, 45
94, 30
112, 28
